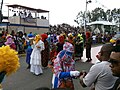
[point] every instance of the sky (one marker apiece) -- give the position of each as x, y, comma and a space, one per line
63, 11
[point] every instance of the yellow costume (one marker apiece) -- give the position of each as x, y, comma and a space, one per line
9, 62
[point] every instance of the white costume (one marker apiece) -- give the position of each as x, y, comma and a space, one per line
36, 58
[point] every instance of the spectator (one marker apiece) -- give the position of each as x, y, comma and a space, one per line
88, 44
115, 64
115, 67
100, 74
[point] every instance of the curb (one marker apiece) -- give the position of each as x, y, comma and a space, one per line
21, 55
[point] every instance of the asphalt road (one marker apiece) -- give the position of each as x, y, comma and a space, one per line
24, 80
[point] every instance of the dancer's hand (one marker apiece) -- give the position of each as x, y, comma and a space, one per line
74, 73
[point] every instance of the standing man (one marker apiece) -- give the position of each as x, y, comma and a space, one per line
115, 64
115, 67
88, 46
100, 75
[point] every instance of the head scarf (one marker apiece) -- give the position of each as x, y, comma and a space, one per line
61, 39
9, 40
37, 38
44, 36
68, 47
70, 38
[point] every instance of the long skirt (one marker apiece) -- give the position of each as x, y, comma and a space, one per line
36, 69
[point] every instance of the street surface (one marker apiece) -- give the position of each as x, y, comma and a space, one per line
24, 80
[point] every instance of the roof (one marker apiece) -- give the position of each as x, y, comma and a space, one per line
101, 22
28, 8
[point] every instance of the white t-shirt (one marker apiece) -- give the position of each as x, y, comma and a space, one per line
94, 37
101, 76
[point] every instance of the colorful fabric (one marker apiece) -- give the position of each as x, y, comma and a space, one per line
68, 47
63, 60
63, 64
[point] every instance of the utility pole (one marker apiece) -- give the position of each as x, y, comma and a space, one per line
1, 15
87, 2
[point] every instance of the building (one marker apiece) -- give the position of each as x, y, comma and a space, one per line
26, 19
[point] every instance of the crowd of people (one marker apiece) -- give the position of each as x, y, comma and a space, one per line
59, 51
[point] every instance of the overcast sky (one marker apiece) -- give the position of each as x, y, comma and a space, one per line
64, 11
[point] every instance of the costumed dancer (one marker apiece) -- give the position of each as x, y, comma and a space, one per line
10, 42
88, 44
64, 68
60, 43
9, 62
53, 54
29, 50
45, 52
79, 46
70, 39
35, 60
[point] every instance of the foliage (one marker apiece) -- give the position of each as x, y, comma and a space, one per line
98, 14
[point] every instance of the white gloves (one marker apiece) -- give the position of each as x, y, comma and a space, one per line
74, 73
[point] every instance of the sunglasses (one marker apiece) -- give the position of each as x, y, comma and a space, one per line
114, 61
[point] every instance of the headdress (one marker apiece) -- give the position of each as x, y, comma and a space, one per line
68, 47
44, 36
9, 40
37, 38
70, 37
80, 36
8, 36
